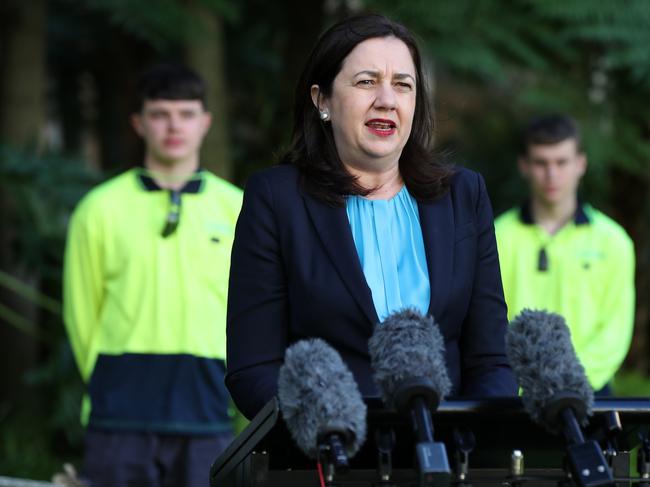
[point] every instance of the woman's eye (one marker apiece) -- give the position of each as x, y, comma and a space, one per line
404, 86
365, 82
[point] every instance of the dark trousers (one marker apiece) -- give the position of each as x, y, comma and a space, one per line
124, 459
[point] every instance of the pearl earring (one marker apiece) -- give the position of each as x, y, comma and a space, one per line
324, 115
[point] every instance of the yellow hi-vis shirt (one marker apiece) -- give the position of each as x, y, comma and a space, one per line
585, 272
146, 313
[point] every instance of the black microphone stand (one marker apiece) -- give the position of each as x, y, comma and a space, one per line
332, 456
418, 397
587, 464
385, 440
464, 443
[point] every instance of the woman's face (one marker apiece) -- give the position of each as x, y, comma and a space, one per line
372, 104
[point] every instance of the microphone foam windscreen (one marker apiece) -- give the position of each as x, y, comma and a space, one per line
318, 394
539, 348
405, 346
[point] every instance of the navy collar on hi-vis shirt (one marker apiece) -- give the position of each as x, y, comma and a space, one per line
193, 185
526, 214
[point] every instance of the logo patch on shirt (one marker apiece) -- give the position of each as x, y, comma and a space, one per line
219, 231
589, 257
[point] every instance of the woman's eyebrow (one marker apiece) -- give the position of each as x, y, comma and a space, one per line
368, 72
375, 74
401, 76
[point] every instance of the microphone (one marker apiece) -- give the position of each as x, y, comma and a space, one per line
321, 403
407, 354
556, 393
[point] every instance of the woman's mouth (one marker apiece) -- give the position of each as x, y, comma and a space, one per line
381, 127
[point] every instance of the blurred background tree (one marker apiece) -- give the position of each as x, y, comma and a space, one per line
67, 86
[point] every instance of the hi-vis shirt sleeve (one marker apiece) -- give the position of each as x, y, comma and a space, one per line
605, 351
83, 286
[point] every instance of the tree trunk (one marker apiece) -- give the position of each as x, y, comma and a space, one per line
23, 89
22, 120
631, 203
205, 54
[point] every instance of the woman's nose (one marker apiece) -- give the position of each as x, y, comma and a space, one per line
386, 98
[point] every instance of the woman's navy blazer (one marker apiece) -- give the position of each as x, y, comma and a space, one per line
295, 273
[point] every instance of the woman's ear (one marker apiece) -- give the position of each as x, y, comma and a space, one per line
316, 96
318, 100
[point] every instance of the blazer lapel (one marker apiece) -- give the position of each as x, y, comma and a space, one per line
333, 228
436, 221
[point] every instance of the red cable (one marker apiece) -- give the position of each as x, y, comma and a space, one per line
320, 474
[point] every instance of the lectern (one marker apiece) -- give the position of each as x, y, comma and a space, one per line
488, 441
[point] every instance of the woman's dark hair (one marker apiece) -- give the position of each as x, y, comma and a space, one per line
312, 148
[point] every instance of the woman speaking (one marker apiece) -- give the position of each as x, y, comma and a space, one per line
361, 220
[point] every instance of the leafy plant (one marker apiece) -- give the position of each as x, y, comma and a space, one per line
40, 426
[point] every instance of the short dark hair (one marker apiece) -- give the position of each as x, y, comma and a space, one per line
170, 82
312, 148
548, 130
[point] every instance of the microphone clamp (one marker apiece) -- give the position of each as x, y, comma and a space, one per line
413, 387
331, 454
561, 401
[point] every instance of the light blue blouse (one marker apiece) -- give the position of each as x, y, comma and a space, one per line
389, 242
